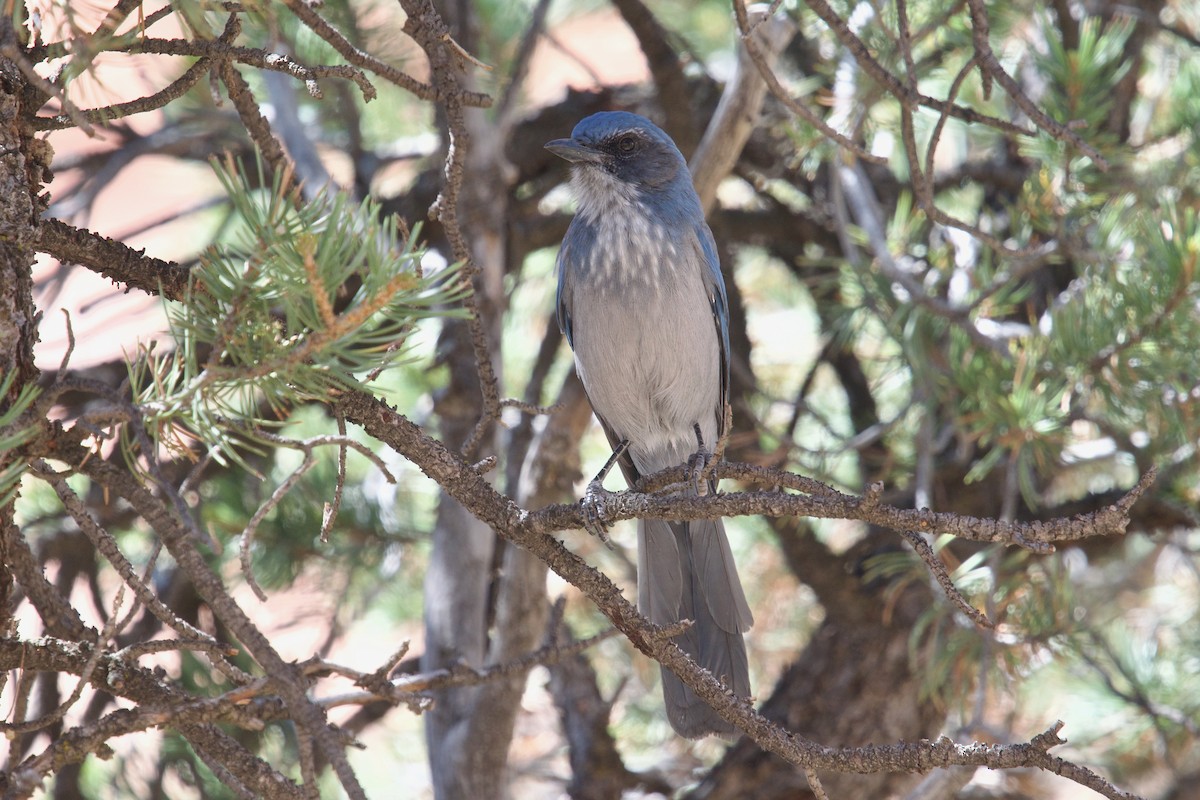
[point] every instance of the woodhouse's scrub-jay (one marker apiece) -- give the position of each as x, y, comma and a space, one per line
642, 304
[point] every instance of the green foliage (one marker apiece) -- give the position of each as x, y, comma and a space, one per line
1062, 362
303, 301
1139, 302
1080, 82
13, 434
1125, 656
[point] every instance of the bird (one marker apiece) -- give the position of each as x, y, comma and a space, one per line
642, 304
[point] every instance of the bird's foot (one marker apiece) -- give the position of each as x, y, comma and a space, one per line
593, 502
593, 505
698, 464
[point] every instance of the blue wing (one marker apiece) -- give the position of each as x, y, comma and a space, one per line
719, 302
578, 239
562, 296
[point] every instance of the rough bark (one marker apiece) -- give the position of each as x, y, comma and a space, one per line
23, 168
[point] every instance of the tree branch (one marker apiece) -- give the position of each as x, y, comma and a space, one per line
738, 110
893, 85
305, 13
172, 91
762, 61
221, 51
529, 529
59, 616
121, 677
427, 29
112, 259
158, 514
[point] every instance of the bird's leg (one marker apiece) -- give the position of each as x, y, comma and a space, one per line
698, 462
592, 503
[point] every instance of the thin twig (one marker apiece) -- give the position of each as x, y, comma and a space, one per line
814, 784
147, 572
330, 512
528, 408
595, 77
403, 689
320, 26
256, 124
220, 50
107, 546
260, 514
66, 359
938, 570
115, 16
382, 675
992, 66
892, 84
139, 649
324, 440
14, 54
85, 676
760, 60
936, 137
104, 114
722, 442
520, 63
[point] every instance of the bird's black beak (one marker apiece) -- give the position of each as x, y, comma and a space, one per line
573, 151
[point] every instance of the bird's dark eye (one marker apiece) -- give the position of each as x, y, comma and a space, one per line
626, 145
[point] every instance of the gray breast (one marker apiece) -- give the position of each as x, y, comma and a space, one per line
645, 343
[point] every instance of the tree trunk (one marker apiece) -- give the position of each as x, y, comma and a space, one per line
456, 602
23, 167
485, 601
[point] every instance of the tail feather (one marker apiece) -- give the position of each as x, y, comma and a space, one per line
686, 571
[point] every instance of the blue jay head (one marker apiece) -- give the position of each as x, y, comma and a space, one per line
624, 147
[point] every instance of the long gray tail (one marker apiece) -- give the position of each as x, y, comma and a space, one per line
686, 571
